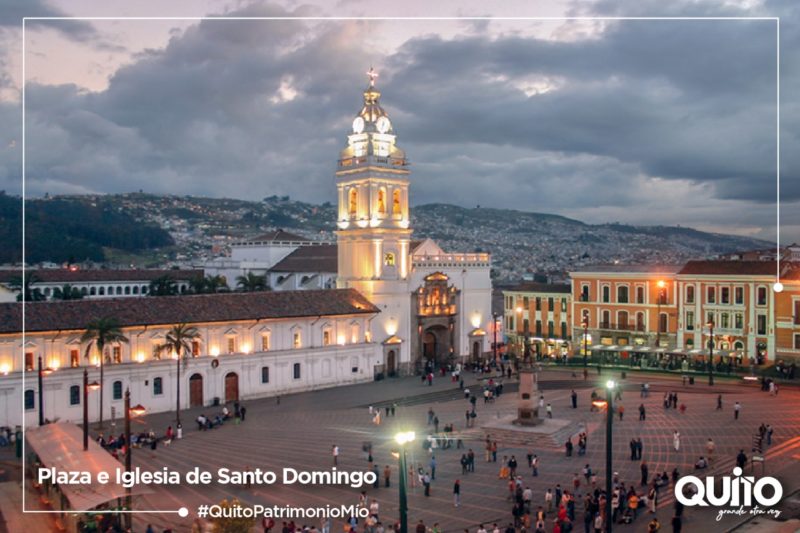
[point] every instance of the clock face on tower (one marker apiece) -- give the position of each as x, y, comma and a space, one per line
358, 125
383, 124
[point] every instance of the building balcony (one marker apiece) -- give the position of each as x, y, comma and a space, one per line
622, 327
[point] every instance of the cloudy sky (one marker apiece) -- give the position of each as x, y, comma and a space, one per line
644, 122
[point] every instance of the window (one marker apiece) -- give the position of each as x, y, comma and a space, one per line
326, 337
622, 320
538, 303
761, 295
797, 311
550, 328
797, 341
563, 305
550, 304
396, 209
127, 289
690, 294
101, 291
231, 344
388, 259
622, 294
738, 321
28, 360
525, 303
158, 386
710, 318
382, 200
74, 395
606, 293
525, 325
761, 325
689, 320
663, 322
725, 295
135, 289
30, 400
264, 374
538, 328
93, 291
297, 340
355, 333
74, 358
353, 202
265, 342
711, 295
296, 371
116, 353
584, 293
116, 390
724, 321
564, 330
195, 348
639, 295
738, 295
640, 322
605, 321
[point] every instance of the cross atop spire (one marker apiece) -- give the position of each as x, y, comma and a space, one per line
372, 75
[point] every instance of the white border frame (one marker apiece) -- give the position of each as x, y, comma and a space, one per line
183, 512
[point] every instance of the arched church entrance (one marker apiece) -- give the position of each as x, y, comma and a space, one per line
231, 387
476, 351
435, 347
391, 363
196, 390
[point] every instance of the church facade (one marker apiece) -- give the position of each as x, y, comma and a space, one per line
435, 306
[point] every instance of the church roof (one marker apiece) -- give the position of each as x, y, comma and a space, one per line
63, 275
277, 236
322, 258
192, 309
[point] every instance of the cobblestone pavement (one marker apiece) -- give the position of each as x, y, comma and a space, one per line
300, 431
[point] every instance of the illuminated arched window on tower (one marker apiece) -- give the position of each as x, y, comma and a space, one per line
396, 209
353, 200
382, 201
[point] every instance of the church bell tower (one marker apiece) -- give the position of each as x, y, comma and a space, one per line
374, 237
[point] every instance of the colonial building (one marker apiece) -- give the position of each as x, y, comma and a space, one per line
250, 345
93, 283
539, 314
625, 307
435, 305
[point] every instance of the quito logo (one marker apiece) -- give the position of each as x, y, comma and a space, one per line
731, 492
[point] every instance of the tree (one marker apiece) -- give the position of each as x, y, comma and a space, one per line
234, 524
163, 286
179, 341
251, 283
100, 333
23, 284
67, 292
209, 285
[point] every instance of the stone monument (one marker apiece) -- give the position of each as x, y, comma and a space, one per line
528, 396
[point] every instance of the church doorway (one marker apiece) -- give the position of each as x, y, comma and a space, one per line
435, 347
196, 391
391, 362
476, 351
429, 345
231, 387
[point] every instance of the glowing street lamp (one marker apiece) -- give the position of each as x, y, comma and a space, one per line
710, 352
93, 386
402, 439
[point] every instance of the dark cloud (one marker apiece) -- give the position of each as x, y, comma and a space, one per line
12, 13
646, 115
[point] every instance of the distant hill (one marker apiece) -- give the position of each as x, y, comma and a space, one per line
150, 229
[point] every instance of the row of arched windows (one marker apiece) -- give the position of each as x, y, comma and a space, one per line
75, 393
397, 209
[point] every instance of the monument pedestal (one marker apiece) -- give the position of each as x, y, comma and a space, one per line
527, 406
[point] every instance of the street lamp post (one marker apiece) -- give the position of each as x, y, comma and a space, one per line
403, 439
661, 284
585, 324
494, 345
711, 352
129, 411
609, 472
42, 373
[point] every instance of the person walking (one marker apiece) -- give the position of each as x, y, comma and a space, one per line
433, 467
632, 445
621, 411
456, 493
676, 440
549, 411
639, 446
710, 446
677, 524
645, 473
741, 459
535, 465
642, 413
736, 408
387, 475
574, 397
719, 405
335, 454
426, 482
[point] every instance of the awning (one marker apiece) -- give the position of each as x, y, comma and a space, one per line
477, 332
60, 446
394, 339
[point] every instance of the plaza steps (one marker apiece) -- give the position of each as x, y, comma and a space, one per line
509, 438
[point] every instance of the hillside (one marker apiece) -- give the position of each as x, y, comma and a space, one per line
153, 230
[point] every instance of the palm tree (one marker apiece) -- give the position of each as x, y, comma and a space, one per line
67, 292
23, 285
217, 284
163, 286
179, 341
100, 333
251, 283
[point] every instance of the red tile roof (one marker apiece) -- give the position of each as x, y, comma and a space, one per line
277, 236
62, 275
729, 268
164, 310
532, 286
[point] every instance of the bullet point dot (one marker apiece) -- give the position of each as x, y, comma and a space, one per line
183, 512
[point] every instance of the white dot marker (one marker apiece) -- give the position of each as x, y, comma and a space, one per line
778, 287
183, 512
737, 471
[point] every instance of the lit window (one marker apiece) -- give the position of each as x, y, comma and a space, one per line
265, 342
231, 344
297, 340
326, 338
388, 259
